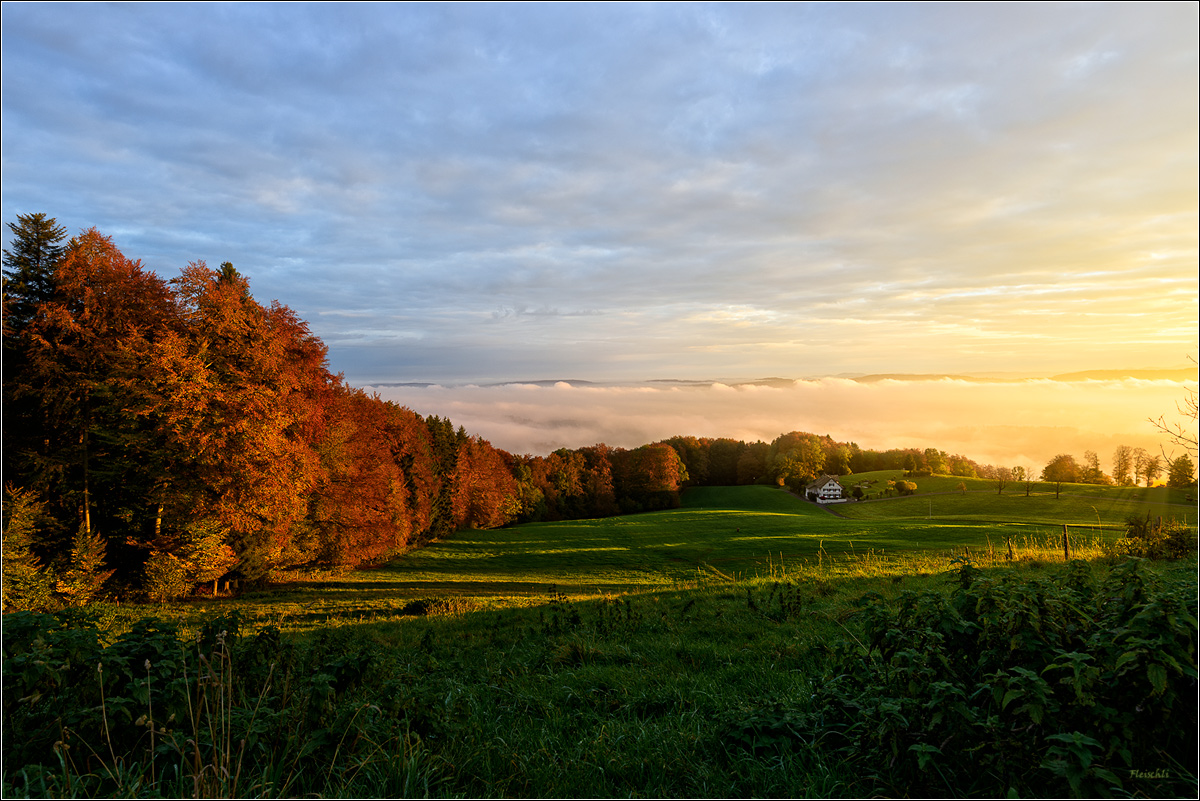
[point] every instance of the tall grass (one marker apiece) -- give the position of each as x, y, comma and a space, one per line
1035, 549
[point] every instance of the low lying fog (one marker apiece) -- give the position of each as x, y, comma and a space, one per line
1012, 424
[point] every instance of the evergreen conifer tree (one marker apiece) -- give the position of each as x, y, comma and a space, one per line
27, 584
29, 267
86, 574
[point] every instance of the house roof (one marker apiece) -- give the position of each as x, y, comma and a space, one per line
822, 481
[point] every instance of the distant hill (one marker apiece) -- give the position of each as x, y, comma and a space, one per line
1180, 374
870, 379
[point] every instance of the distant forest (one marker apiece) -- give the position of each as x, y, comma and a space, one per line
163, 434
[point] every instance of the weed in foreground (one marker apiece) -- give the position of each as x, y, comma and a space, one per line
223, 716
1050, 685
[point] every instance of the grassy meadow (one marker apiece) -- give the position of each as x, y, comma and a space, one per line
1078, 505
719, 534
698, 652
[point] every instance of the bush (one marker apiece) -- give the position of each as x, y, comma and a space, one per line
166, 577
1155, 539
1049, 686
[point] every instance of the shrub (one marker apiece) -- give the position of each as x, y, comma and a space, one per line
1043, 686
1155, 539
166, 577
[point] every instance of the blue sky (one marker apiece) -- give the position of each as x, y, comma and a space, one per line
466, 193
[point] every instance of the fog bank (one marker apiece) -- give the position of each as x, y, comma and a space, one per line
1013, 423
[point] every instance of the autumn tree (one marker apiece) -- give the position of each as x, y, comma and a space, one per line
1091, 472
962, 466
83, 349
752, 463
837, 460
694, 453
796, 458
936, 461
246, 384
598, 480
1062, 469
358, 507
1152, 468
485, 493
647, 478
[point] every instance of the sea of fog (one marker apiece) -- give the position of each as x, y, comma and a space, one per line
1001, 422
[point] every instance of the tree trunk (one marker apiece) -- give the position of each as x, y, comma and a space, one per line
87, 504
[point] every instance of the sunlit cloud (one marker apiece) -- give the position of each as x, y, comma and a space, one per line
1018, 422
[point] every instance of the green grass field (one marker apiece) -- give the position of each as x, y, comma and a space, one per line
673, 653
1083, 505
719, 534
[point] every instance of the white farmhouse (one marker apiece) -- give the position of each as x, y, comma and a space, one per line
826, 489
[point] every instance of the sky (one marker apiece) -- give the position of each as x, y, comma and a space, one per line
469, 194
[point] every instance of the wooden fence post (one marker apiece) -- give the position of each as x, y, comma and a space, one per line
1066, 546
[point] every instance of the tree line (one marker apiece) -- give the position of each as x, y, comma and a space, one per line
1130, 467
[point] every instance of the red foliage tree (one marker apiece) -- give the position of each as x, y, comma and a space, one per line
83, 351
485, 492
250, 435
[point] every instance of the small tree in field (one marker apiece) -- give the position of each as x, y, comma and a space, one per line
1062, 469
85, 575
178, 563
166, 577
206, 555
1027, 479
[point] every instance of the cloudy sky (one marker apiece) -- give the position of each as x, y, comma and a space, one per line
478, 193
